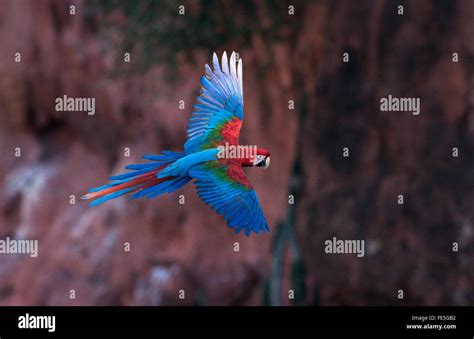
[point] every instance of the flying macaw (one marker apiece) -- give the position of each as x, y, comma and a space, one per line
219, 176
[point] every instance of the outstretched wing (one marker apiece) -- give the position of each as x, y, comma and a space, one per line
219, 111
222, 185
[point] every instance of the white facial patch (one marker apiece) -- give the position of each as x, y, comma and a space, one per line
258, 159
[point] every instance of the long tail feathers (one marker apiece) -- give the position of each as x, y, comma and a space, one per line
142, 181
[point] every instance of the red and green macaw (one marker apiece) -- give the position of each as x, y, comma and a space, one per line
220, 180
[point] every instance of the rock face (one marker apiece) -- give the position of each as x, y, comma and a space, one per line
161, 252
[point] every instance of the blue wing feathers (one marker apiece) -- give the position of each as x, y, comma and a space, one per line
238, 205
220, 101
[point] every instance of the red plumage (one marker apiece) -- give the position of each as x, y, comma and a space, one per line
230, 131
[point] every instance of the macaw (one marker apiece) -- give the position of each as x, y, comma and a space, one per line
219, 178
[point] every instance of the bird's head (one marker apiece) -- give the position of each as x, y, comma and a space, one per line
262, 159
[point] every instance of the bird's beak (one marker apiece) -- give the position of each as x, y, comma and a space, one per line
267, 162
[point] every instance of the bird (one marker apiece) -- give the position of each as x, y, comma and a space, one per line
212, 158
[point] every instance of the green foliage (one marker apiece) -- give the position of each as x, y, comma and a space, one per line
155, 30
